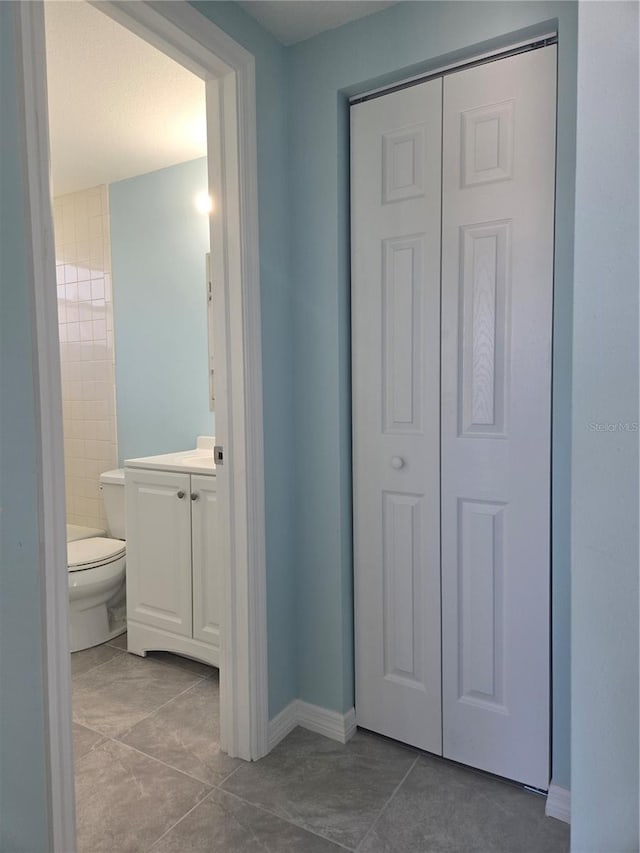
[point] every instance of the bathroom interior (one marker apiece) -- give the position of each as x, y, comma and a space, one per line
130, 204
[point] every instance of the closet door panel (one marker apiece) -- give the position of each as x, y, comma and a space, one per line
497, 277
396, 168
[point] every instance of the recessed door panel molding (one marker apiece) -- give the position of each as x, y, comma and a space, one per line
403, 154
484, 327
396, 174
487, 144
402, 588
402, 335
481, 531
497, 281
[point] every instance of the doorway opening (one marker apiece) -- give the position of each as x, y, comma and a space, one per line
228, 71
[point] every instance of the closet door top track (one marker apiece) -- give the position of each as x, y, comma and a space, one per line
445, 70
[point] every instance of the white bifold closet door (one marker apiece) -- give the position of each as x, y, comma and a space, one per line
451, 404
395, 185
497, 275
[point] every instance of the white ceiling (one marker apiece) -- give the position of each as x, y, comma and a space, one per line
117, 106
291, 21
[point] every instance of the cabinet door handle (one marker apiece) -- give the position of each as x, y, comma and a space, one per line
180, 494
194, 496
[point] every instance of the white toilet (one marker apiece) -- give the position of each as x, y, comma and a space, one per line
97, 571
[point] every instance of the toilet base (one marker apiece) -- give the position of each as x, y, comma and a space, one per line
92, 627
97, 609
118, 632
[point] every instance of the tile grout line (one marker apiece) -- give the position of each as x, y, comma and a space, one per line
387, 803
211, 787
217, 786
155, 711
117, 738
180, 819
284, 819
91, 668
94, 731
208, 785
142, 719
229, 775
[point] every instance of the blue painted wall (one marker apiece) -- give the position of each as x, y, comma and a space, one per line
604, 797
158, 246
277, 347
24, 811
407, 38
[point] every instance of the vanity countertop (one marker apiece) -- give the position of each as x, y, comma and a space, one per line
196, 461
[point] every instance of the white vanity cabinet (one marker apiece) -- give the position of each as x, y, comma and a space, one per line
173, 574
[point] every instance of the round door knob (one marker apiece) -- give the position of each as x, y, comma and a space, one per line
180, 494
397, 462
194, 496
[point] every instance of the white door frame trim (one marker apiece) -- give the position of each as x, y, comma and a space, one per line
183, 33
56, 661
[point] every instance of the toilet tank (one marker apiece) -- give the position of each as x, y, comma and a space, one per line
112, 488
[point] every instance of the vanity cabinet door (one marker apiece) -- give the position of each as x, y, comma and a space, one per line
207, 580
159, 549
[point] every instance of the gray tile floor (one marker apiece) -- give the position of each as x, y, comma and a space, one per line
150, 776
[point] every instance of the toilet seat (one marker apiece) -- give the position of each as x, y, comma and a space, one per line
84, 554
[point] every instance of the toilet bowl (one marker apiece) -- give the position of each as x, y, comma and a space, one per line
96, 570
96, 590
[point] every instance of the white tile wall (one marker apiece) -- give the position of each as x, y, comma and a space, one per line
85, 321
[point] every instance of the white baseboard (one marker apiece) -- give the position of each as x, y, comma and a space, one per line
558, 803
283, 723
331, 724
